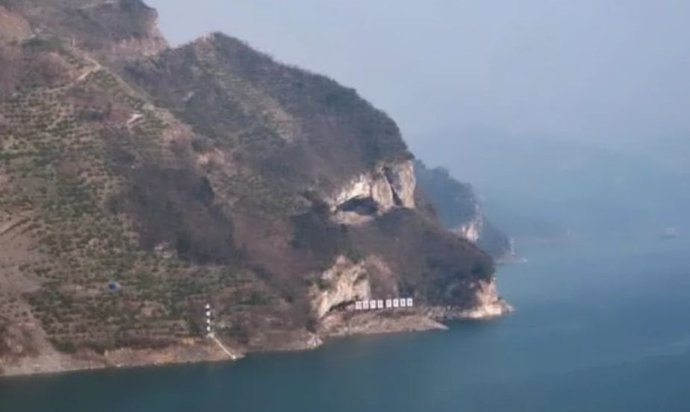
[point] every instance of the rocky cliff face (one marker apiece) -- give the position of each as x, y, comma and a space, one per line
459, 209
374, 193
340, 285
112, 30
139, 183
472, 230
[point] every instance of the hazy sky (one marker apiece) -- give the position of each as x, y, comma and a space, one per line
593, 70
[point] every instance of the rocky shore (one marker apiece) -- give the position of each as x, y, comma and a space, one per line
334, 326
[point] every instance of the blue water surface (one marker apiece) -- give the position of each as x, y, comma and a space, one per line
601, 325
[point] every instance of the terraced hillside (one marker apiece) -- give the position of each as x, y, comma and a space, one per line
138, 183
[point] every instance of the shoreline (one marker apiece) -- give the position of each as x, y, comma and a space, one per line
204, 350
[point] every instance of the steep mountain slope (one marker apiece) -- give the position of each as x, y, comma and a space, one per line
138, 183
112, 30
459, 209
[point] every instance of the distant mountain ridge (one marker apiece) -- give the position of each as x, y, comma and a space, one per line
459, 208
207, 173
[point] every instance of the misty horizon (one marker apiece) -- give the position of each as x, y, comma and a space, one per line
201, 221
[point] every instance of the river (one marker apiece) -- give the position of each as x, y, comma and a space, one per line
601, 325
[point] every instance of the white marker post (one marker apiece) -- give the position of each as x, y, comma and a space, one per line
209, 330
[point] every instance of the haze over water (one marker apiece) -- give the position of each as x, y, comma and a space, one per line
599, 327
602, 321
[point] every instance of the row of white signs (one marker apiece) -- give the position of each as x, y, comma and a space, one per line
384, 304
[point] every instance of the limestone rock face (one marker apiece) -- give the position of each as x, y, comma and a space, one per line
471, 230
112, 30
344, 282
375, 192
488, 303
402, 181
138, 47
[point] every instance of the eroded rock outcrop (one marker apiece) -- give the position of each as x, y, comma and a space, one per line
488, 303
375, 192
340, 285
471, 230
345, 321
114, 30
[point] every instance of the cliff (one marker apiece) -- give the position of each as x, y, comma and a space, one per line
139, 182
457, 206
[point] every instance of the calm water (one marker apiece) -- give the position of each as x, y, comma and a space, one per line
595, 331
